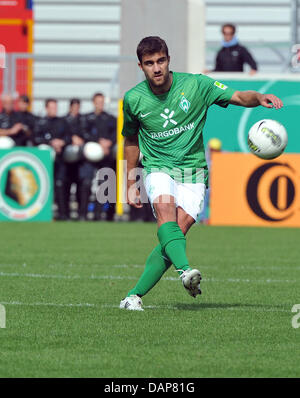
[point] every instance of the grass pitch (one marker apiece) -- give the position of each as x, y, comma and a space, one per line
61, 284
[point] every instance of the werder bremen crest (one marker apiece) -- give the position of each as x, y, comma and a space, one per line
184, 104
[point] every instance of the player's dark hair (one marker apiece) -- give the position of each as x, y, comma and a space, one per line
74, 101
229, 25
97, 95
24, 98
48, 100
150, 45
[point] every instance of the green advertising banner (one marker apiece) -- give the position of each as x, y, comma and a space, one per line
26, 184
231, 125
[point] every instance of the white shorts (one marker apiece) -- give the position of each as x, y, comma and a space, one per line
188, 196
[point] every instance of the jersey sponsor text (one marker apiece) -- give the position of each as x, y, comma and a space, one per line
176, 130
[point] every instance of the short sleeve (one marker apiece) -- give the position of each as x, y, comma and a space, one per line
214, 92
131, 124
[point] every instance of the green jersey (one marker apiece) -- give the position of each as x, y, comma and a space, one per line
170, 125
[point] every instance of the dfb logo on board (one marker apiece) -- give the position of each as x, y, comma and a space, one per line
271, 190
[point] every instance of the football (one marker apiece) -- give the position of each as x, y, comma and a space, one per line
267, 139
93, 151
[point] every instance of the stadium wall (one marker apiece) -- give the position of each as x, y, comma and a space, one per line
180, 23
99, 27
79, 29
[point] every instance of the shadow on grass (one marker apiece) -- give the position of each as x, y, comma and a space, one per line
202, 306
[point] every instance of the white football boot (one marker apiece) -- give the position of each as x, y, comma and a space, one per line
132, 302
191, 281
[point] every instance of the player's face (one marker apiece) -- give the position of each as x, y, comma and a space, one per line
156, 68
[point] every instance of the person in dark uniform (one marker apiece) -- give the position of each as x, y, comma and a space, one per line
53, 130
232, 56
10, 123
100, 126
75, 123
26, 117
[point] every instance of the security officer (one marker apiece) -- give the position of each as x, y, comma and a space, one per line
53, 130
75, 123
100, 127
10, 123
26, 117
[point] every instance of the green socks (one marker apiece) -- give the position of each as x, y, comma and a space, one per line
170, 251
173, 242
156, 266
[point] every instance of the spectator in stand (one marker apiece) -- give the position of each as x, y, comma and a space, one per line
53, 130
10, 123
100, 127
26, 117
232, 56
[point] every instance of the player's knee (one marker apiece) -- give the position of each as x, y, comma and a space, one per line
184, 220
184, 227
165, 212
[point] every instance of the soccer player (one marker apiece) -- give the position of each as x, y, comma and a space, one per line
164, 118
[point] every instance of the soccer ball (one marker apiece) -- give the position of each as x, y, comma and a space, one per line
6, 142
93, 151
267, 139
72, 153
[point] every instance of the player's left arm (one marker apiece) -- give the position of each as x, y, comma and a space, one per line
251, 99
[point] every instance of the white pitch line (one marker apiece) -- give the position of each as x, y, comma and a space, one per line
47, 304
119, 277
69, 277
284, 267
163, 307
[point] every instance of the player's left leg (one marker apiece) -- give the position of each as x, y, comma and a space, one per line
191, 277
156, 265
170, 235
184, 220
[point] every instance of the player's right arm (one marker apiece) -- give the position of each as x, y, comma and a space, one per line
131, 156
131, 153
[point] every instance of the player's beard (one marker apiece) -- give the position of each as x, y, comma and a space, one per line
160, 82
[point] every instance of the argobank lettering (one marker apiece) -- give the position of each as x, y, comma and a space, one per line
176, 130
